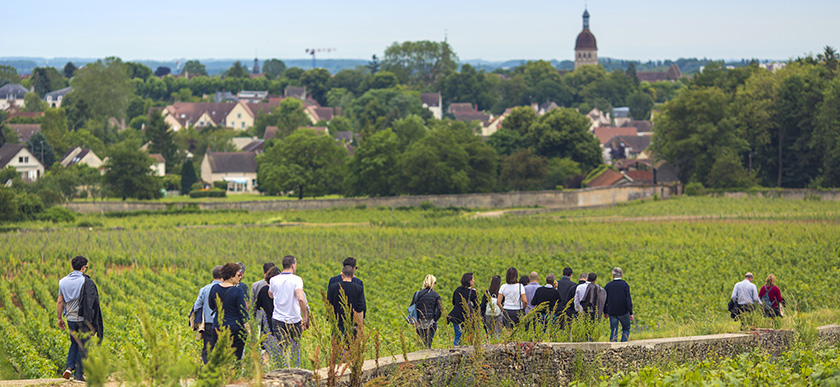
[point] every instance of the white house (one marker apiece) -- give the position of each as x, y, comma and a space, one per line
433, 102
159, 165
54, 98
17, 156
238, 169
77, 155
11, 94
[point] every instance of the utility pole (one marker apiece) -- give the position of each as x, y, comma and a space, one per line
312, 51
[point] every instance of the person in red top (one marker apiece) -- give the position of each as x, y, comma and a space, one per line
771, 296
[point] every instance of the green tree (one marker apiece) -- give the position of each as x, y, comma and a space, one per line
237, 71
374, 169
41, 148
8, 135
565, 133
692, 129
69, 70
523, 171
506, 141
129, 174
195, 67
159, 134
640, 104
8, 205
138, 70
421, 62
82, 138
188, 177
373, 65
348, 79
559, 170
315, 81
33, 103
294, 74
54, 128
274, 68
520, 119
287, 117
46, 79
304, 162
727, 171
8, 74
103, 88
436, 164
468, 85
409, 130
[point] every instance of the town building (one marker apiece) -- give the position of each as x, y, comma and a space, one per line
22, 160
54, 98
586, 48
238, 169
11, 94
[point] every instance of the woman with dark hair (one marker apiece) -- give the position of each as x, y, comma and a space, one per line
524, 280
232, 300
512, 299
490, 306
428, 310
265, 302
464, 295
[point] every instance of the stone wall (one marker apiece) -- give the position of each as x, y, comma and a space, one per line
792, 194
537, 364
548, 199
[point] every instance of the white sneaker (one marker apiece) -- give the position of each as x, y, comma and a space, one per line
67, 373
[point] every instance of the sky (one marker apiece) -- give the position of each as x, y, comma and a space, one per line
491, 30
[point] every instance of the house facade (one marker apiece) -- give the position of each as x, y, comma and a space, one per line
433, 102
11, 95
77, 155
238, 169
22, 160
54, 98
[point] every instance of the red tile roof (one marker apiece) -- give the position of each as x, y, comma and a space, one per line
606, 179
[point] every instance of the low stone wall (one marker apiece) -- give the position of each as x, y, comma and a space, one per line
548, 199
537, 364
792, 194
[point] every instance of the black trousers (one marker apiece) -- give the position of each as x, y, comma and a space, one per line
208, 337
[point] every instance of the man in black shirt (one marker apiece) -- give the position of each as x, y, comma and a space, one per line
353, 293
619, 305
548, 296
350, 261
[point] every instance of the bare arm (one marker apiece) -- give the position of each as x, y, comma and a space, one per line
59, 310
500, 300
304, 309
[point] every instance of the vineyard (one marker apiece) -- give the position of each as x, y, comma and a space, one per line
681, 272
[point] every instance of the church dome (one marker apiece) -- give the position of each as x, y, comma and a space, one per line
586, 41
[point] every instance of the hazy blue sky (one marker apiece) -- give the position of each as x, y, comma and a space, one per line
491, 29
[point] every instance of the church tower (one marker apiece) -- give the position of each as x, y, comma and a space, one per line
586, 49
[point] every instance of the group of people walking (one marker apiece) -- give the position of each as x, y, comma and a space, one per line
279, 303
745, 297
504, 305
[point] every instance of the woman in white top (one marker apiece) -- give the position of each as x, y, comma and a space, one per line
512, 298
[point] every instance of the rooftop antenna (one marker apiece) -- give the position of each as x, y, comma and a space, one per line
445, 35
312, 51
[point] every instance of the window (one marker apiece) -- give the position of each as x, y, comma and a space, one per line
243, 124
23, 159
238, 115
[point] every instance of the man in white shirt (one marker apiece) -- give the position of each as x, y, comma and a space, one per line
67, 304
745, 295
291, 312
580, 291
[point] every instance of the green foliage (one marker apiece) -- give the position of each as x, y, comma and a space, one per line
374, 169
8, 205
436, 164
8, 75
315, 81
28, 206
57, 215
520, 119
45, 80
41, 149
565, 133
210, 193
32, 102
695, 189
188, 177
220, 185
523, 171
195, 67
237, 71
273, 68
559, 170
304, 162
421, 62
640, 104
160, 137
128, 173
101, 89
69, 70
287, 118
54, 128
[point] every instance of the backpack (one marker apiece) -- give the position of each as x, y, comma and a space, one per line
766, 298
412, 309
493, 307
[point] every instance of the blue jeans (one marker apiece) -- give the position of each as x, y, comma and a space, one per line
288, 335
624, 319
457, 333
77, 352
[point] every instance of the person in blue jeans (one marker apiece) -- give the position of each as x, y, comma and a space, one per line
619, 305
464, 294
69, 305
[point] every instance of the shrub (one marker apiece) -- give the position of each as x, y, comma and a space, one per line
212, 193
49, 197
695, 189
88, 224
427, 205
28, 205
58, 215
220, 185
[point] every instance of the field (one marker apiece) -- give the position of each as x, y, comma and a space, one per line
681, 258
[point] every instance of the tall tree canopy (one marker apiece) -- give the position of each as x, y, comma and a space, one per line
422, 62
104, 88
305, 163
